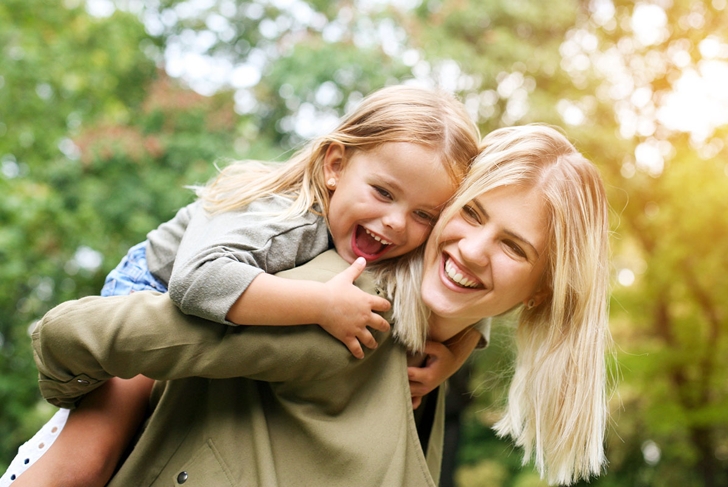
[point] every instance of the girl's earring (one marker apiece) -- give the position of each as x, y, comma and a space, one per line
531, 303
331, 183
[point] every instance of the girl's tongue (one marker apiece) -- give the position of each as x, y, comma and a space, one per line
367, 246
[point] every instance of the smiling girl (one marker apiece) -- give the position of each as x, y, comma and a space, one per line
372, 188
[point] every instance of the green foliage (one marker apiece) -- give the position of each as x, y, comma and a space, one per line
128, 146
97, 144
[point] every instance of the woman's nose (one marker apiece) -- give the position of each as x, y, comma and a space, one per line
475, 248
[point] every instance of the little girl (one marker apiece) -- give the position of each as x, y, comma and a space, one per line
372, 188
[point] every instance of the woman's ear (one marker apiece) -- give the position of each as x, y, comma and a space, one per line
333, 164
536, 299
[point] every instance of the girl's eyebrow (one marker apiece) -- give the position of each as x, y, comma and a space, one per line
507, 231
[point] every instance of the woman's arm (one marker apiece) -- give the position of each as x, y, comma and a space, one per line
80, 344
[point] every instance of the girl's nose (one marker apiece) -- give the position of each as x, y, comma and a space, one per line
396, 220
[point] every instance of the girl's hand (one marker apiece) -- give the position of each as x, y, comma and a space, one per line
351, 311
441, 361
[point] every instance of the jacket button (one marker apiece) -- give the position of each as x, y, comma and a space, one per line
182, 478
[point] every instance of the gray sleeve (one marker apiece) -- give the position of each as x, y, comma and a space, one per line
163, 242
220, 255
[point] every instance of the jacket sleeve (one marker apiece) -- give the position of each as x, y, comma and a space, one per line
220, 255
80, 344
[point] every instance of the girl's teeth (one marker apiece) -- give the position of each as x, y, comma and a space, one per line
453, 274
377, 238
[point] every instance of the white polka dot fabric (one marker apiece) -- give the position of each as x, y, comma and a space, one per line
33, 449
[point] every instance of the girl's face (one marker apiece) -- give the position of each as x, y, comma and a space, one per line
490, 257
385, 200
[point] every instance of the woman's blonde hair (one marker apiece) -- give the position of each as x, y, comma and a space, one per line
557, 400
431, 118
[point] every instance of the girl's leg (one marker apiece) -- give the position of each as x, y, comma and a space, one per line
32, 449
94, 438
90, 443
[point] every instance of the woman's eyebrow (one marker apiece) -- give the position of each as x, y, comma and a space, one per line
507, 231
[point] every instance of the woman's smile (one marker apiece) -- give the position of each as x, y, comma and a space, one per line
488, 258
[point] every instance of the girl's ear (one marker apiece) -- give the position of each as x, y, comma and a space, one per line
334, 162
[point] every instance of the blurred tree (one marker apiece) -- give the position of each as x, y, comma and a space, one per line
59, 67
669, 179
95, 146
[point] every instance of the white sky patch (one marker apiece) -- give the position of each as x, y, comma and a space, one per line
87, 258
100, 8
570, 113
650, 158
602, 11
699, 102
69, 149
204, 74
245, 76
649, 23
651, 452
308, 122
625, 277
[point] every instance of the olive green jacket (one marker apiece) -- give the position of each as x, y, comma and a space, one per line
244, 406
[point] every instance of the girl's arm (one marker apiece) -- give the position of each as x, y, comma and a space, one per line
440, 362
220, 255
341, 308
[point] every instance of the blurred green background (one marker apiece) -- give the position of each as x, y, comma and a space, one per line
108, 109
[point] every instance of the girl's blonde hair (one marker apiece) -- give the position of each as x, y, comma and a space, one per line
557, 400
431, 118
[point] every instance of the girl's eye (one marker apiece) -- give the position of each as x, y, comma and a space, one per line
470, 215
426, 217
383, 192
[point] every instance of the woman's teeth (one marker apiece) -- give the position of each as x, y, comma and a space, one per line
453, 274
378, 238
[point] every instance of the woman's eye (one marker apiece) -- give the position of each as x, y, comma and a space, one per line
470, 214
516, 249
383, 192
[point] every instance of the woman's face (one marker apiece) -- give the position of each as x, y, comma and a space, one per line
489, 258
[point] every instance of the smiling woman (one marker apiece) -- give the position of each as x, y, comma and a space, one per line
491, 254
528, 231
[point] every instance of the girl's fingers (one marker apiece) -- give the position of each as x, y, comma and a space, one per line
379, 323
354, 347
366, 339
380, 304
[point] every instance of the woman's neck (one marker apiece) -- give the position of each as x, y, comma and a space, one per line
443, 328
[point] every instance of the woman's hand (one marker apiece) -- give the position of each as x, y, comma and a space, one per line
440, 362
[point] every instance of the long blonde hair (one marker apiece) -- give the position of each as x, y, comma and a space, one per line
557, 401
432, 118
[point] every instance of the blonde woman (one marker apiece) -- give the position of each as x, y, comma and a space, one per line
532, 175
264, 406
